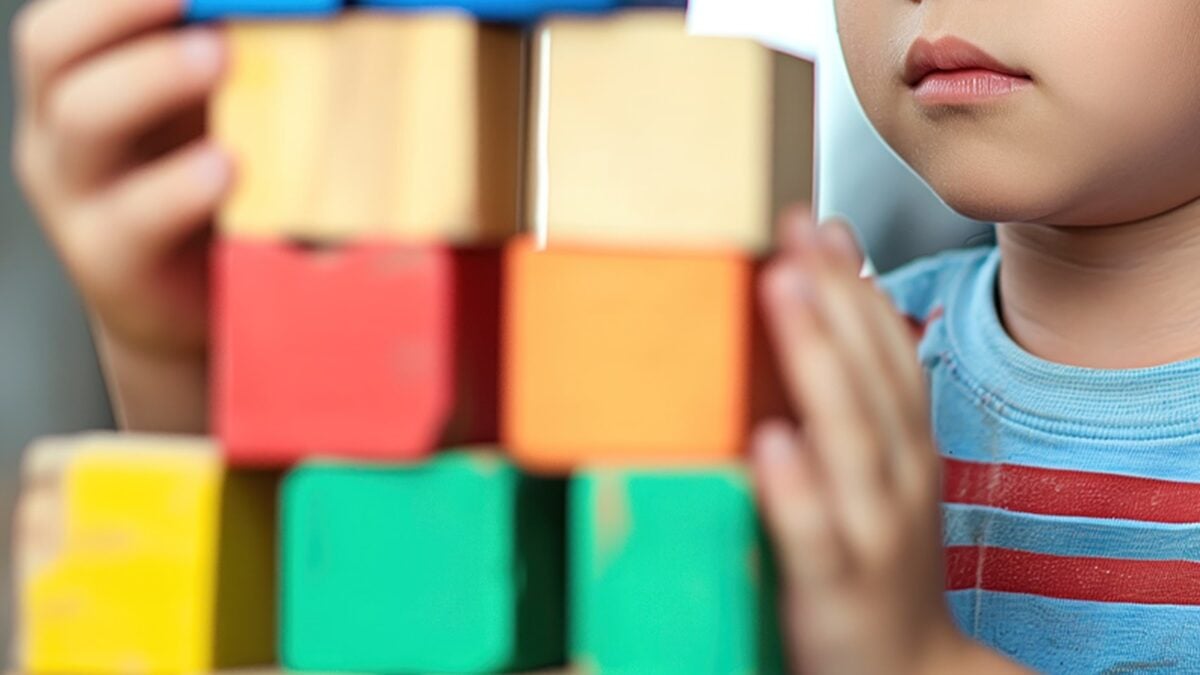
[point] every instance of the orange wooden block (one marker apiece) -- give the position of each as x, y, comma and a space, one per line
630, 358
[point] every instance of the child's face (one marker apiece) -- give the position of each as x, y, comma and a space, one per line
1108, 132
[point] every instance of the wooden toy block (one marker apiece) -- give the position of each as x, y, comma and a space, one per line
520, 10
143, 555
391, 126
642, 135
279, 671
669, 574
370, 351
204, 10
451, 566
617, 357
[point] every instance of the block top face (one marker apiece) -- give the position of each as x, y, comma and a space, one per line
480, 463
427, 547
697, 141
666, 571
54, 454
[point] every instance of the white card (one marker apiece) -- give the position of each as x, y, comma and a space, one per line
799, 27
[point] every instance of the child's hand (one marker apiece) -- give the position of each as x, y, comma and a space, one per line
851, 498
110, 150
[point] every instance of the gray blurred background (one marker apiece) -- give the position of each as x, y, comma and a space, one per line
50, 383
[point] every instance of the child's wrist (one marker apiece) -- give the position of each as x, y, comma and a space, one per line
953, 653
947, 651
154, 391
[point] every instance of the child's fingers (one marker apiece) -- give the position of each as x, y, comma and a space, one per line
915, 462
887, 375
51, 35
899, 346
795, 228
117, 96
819, 383
797, 231
846, 304
129, 227
806, 547
837, 236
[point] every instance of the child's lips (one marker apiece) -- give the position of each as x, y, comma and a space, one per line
966, 86
953, 71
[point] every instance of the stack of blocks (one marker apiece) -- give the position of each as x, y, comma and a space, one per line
486, 355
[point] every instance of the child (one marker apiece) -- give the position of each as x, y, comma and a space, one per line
1062, 363
1067, 444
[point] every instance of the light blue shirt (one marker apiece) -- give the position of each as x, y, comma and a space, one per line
1072, 495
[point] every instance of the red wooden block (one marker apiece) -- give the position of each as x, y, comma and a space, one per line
351, 351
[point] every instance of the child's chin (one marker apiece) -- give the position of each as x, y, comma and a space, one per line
978, 202
1061, 204
986, 197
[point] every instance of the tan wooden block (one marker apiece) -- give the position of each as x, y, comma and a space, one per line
642, 135
373, 125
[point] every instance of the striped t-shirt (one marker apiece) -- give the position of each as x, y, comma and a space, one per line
1071, 495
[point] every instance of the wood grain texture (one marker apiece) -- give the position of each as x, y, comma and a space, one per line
641, 135
404, 127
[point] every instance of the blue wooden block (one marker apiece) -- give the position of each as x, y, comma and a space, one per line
518, 10
206, 10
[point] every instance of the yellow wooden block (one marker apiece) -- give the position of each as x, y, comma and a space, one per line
400, 126
142, 555
643, 135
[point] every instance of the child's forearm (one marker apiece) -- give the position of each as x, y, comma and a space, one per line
155, 393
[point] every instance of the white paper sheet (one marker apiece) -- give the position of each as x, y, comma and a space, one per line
799, 27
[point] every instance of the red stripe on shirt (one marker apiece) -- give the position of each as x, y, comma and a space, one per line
1069, 493
1147, 582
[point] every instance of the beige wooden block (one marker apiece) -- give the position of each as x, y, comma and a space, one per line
383, 126
642, 135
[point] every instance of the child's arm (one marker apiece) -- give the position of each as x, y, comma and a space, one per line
852, 498
111, 151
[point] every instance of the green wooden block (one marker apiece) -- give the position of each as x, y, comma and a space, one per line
669, 574
452, 566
